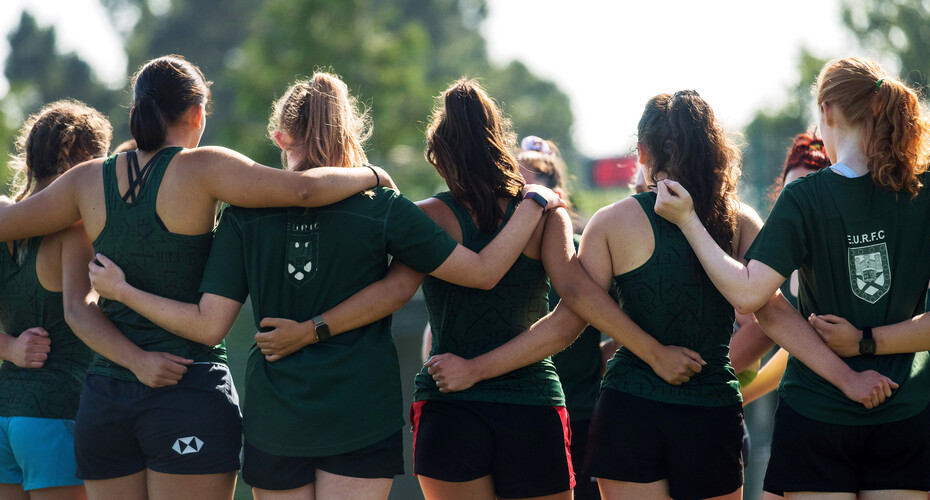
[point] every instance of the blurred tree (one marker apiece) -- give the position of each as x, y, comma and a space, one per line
899, 28
38, 73
770, 133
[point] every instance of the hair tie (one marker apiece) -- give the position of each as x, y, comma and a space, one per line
878, 84
533, 143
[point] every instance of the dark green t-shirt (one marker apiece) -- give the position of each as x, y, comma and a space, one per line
468, 322
344, 393
52, 391
860, 251
579, 366
155, 260
672, 299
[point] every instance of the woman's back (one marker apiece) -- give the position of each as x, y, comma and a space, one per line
877, 277
53, 390
153, 258
670, 297
297, 263
469, 322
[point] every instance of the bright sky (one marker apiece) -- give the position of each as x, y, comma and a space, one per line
609, 57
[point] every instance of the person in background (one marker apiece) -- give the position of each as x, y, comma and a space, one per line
43, 283
580, 365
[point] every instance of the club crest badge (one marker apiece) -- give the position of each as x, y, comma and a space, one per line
869, 272
302, 257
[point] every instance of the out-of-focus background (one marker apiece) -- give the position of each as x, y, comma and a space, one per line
578, 73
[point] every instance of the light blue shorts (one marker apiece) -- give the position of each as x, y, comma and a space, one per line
37, 452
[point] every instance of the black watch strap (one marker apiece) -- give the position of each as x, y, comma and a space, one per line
867, 343
322, 329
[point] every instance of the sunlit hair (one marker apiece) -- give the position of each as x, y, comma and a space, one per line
686, 141
58, 137
895, 131
467, 142
324, 122
806, 151
163, 90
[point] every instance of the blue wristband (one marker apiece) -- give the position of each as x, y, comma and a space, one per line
538, 198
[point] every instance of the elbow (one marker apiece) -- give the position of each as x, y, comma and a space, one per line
748, 305
211, 336
73, 313
487, 283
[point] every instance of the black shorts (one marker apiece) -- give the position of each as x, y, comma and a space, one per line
810, 455
193, 427
384, 459
524, 448
695, 448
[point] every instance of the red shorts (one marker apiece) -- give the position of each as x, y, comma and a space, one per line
524, 448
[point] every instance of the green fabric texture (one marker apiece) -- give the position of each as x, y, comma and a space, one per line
672, 299
468, 322
155, 260
344, 393
860, 254
52, 391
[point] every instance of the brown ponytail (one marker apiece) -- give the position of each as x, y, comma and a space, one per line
686, 142
467, 142
163, 90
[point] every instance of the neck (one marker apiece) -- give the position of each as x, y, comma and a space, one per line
181, 136
849, 153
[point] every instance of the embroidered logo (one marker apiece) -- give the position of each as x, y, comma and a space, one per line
869, 272
301, 255
185, 445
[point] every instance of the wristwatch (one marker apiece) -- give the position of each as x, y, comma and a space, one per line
538, 198
867, 343
322, 329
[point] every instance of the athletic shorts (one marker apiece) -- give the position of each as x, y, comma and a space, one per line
384, 459
37, 452
524, 448
193, 427
810, 455
695, 448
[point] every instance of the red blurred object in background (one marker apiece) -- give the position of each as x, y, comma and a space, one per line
613, 172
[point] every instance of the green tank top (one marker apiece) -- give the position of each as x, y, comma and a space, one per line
468, 322
155, 260
672, 298
52, 391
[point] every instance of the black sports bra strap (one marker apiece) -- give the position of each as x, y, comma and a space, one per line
137, 176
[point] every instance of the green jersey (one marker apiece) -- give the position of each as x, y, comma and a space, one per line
344, 393
155, 260
468, 322
672, 298
860, 251
52, 391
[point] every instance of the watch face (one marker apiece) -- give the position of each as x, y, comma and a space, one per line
867, 346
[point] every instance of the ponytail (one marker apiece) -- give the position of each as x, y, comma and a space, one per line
686, 142
163, 90
894, 126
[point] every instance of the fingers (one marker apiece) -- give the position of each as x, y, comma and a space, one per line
817, 322
104, 261
271, 358
37, 330
270, 322
829, 318
178, 359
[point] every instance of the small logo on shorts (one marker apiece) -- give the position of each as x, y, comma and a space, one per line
185, 445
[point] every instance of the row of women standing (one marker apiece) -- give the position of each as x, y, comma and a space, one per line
159, 418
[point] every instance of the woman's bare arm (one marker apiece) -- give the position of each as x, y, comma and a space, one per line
52, 209
232, 177
206, 322
748, 287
